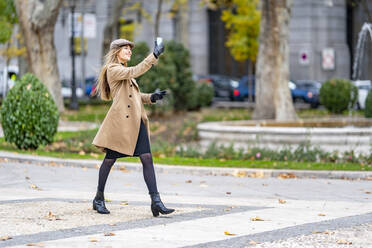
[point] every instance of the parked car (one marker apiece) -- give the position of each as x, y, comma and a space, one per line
90, 85
364, 86
307, 91
66, 90
224, 86
241, 92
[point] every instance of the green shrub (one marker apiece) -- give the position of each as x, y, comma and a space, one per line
368, 107
337, 94
205, 93
173, 72
29, 114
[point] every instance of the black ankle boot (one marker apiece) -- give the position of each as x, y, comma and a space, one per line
158, 206
99, 203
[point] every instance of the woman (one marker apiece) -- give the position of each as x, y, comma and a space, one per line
125, 129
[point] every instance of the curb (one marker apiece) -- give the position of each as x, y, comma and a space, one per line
190, 170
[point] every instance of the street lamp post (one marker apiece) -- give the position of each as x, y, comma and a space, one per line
73, 102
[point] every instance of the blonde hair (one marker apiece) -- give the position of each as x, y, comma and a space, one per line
102, 86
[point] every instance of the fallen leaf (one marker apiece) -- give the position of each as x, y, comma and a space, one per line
264, 184
344, 242
27, 178
109, 234
240, 173
257, 174
123, 203
367, 192
329, 233
253, 242
286, 175
282, 201
107, 200
3, 238
230, 234
256, 219
123, 169
228, 193
188, 181
321, 214
93, 240
35, 244
112, 224
33, 186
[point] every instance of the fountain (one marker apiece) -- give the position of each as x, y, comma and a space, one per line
362, 38
335, 134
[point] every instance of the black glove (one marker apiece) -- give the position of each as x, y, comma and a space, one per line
158, 49
157, 95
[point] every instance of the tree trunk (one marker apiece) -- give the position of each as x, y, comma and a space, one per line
157, 18
37, 20
273, 97
110, 31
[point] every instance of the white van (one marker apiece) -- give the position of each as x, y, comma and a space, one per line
364, 87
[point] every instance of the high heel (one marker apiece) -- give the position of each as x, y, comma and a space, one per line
157, 205
99, 203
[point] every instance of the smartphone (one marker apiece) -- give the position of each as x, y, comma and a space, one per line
159, 40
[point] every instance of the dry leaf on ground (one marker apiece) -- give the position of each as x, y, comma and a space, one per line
282, 201
110, 234
253, 242
123, 203
93, 240
123, 169
286, 175
3, 238
256, 219
321, 214
33, 186
240, 174
257, 174
188, 181
230, 234
344, 242
35, 244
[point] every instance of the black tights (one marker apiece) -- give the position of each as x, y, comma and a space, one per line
148, 172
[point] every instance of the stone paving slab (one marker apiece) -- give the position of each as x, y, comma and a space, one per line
209, 205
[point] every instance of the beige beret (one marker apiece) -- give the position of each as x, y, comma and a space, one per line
120, 42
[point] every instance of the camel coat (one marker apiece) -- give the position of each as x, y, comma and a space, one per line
120, 128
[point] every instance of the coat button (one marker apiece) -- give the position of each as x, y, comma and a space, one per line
131, 85
130, 95
128, 106
127, 116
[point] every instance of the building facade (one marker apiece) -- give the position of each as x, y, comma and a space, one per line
322, 37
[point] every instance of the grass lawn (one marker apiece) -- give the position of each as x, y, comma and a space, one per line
166, 131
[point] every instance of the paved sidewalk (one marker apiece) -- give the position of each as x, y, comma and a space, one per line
49, 205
